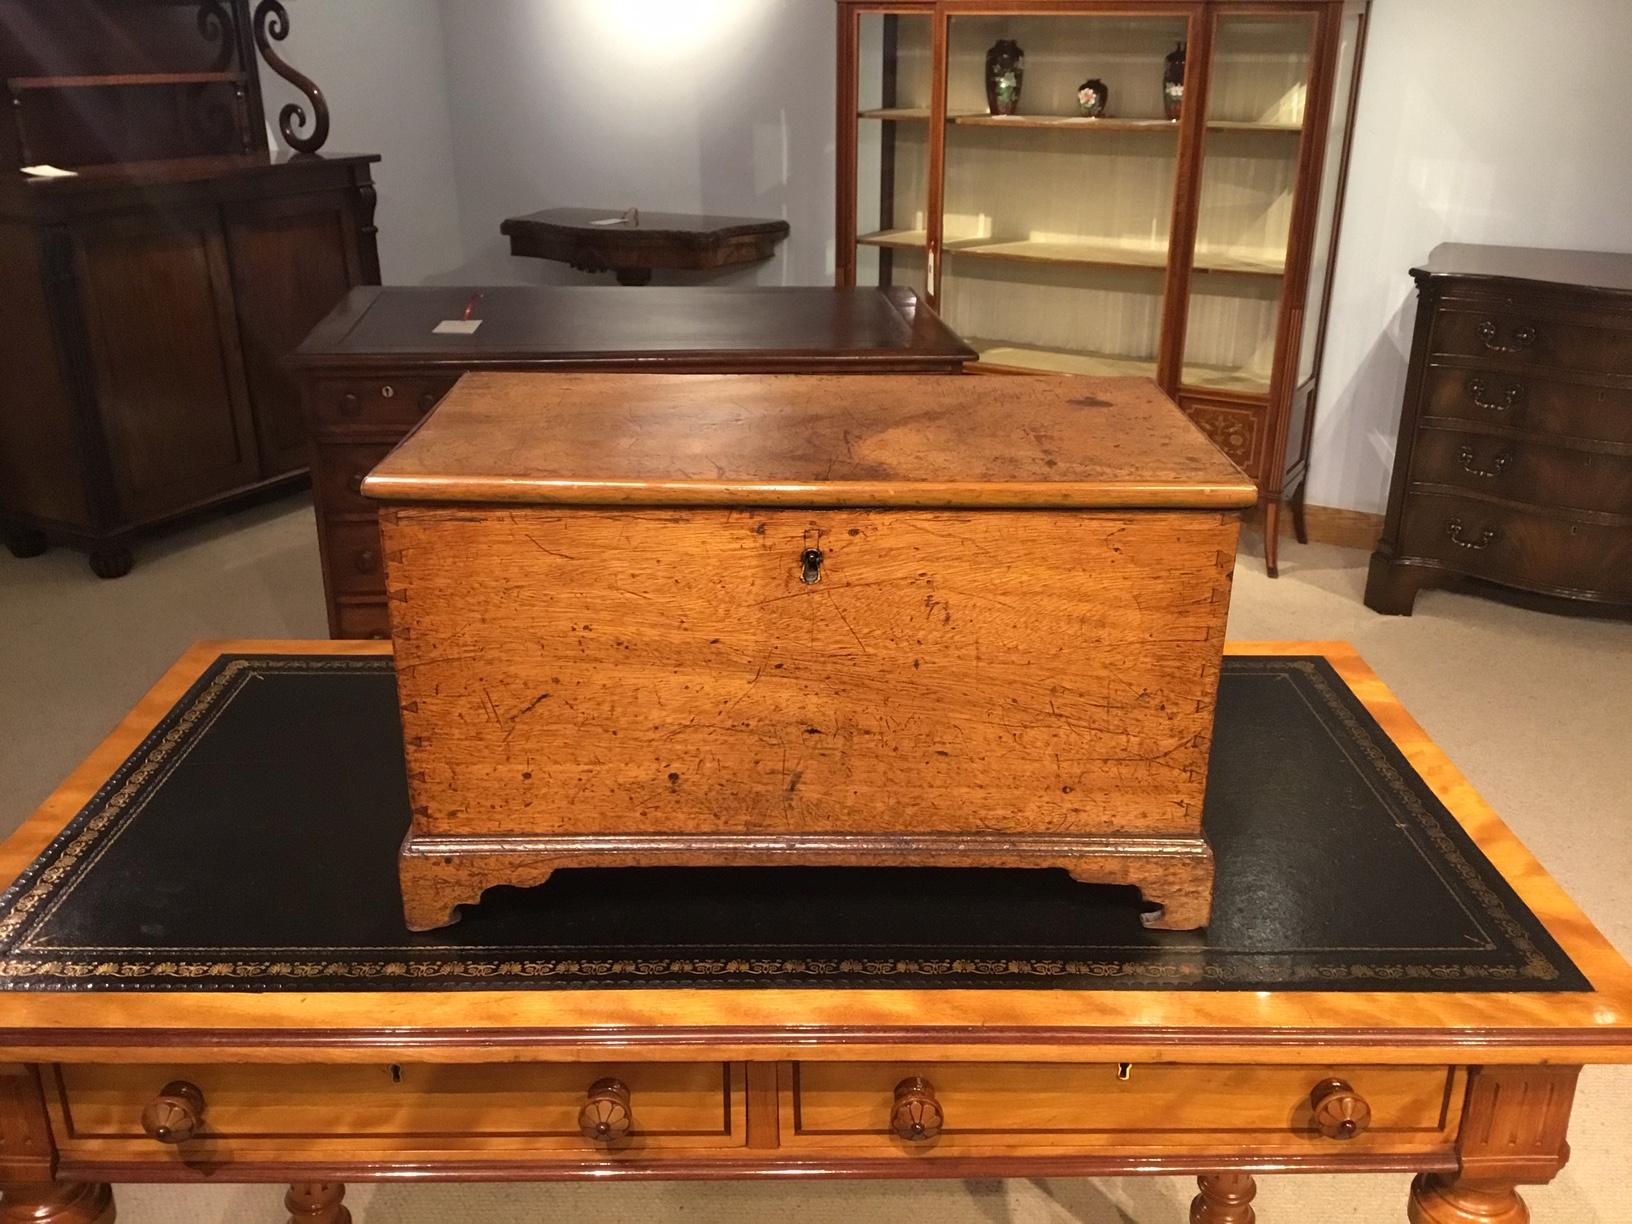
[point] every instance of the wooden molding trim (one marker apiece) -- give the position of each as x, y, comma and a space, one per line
1330, 525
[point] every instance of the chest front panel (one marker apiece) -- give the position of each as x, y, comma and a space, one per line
571, 670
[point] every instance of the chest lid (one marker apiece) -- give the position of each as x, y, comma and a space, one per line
807, 440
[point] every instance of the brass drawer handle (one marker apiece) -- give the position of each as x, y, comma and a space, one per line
1454, 529
1522, 339
1479, 393
1340, 1112
916, 1115
606, 1116
176, 1114
1466, 455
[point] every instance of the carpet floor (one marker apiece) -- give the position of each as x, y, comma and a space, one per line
1532, 706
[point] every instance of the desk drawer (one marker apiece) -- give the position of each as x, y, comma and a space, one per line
337, 475
1078, 1107
387, 403
351, 557
311, 1109
1510, 337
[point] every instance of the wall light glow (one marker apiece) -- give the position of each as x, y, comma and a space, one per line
673, 27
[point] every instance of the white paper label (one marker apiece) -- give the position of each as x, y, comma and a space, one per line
457, 327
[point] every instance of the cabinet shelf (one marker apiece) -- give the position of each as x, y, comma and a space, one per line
120, 80
1065, 123
910, 114
1232, 125
1001, 354
896, 238
1084, 254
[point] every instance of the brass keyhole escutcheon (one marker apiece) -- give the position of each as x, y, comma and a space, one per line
811, 563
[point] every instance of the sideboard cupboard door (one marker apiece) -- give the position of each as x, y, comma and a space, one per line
157, 301
292, 259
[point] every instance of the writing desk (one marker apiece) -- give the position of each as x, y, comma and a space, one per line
206, 977
384, 357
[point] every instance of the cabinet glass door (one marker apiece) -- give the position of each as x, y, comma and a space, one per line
894, 72
1255, 116
1061, 164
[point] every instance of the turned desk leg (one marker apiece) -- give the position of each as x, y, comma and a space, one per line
317, 1203
1513, 1134
57, 1203
1438, 1198
1225, 1198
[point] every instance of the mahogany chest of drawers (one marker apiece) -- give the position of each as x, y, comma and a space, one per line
1515, 454
372, 370
725, 620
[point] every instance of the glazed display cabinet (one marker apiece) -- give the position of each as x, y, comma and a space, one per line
1113, 188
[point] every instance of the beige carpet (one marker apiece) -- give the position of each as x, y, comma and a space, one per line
1533, 707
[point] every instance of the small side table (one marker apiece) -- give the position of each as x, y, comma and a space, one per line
637, 243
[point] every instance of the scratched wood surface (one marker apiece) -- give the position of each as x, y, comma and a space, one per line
618, 671
810, 440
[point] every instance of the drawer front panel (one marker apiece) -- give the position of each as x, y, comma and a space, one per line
363, 620
1509, 337
1523, 471
1531, 551
1036, 1105
337, 476
485, 1107
1520, 401
385, 403
351, 555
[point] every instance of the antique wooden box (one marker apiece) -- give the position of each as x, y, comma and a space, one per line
734, 619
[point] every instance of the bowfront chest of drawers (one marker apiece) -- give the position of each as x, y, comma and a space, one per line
385, 357
1515, 453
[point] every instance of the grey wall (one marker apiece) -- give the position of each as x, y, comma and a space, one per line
1494, 121
382, 65
720, 107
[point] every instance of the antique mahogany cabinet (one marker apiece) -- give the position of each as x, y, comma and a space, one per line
1515, 454
1195, 249
385, 357
204, 979
759, 619
147, 300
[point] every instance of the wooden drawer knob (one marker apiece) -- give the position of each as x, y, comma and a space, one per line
917, 1116
176, 1114
366, 560
427, 401
605, 1117
1340, 1111
355, 482
349, 403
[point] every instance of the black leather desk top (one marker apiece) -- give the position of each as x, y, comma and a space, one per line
250, 844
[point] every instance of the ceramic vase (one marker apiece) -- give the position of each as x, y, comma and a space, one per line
1093, 97
1173, 83
1005, 70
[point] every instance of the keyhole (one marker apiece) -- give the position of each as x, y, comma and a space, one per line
811, 560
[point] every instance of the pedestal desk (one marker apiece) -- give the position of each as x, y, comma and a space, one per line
385, 357
206, 978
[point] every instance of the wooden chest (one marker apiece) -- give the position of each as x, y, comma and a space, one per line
743, 619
